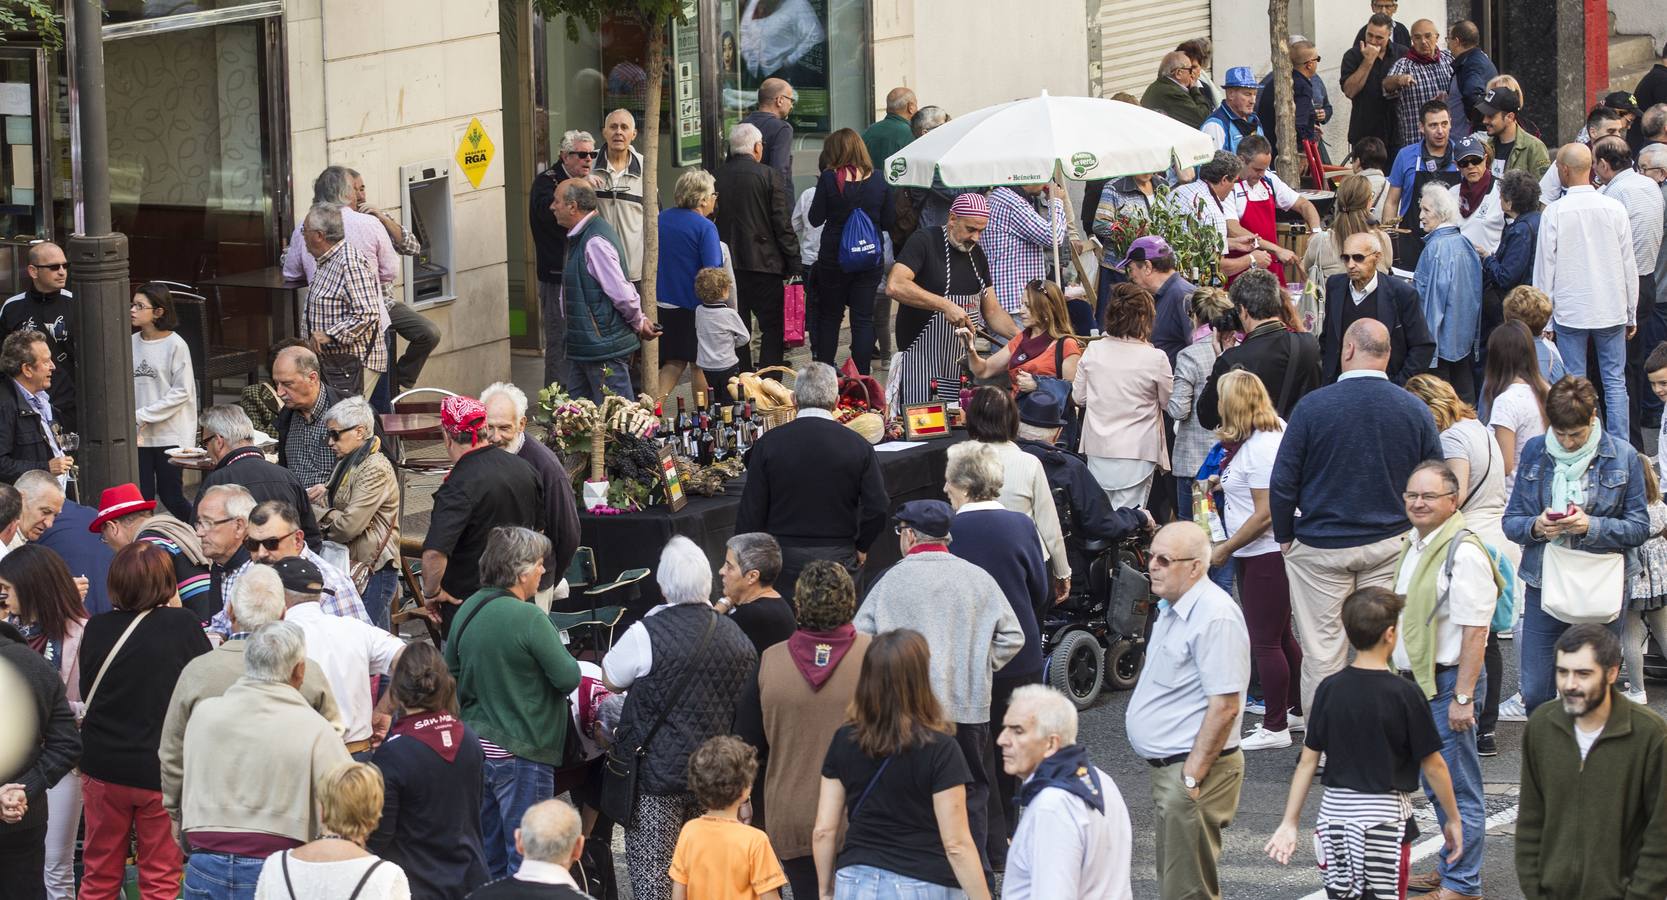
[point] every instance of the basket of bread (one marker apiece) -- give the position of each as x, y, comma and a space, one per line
773, 400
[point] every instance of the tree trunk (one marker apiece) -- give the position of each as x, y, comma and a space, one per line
656, 66
1284, 105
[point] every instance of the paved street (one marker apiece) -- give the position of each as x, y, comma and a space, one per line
1247, 873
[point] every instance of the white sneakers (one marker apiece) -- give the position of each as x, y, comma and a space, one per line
1263, 739
1512, 710
1637, 697
1294, 723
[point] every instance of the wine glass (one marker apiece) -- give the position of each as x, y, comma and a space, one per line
69, 442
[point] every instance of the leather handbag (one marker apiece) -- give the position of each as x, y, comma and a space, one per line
623, 764
1578, 587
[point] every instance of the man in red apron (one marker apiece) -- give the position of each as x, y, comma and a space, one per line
1257, 199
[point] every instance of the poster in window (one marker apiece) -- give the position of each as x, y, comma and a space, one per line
685, 95
777, 39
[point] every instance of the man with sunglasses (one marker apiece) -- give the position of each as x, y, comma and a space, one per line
577, 157
274, 535
49, 309
1186, 711
776, 99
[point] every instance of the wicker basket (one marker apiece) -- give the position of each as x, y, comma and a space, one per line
774, 412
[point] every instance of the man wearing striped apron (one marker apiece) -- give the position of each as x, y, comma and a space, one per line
941, 283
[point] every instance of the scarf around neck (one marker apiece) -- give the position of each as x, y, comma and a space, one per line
1423, 598
440, 732
1472, 194
1570, 469
1070, 770
1421, 59
817, 653
350, 464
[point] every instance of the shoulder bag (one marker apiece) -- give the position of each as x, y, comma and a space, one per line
87, 702
622, 766
1577, 586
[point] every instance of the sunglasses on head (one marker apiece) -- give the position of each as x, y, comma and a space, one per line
270, 544
1357, 257
584, 154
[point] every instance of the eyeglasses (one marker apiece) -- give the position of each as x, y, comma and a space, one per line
1411, 496
900, 528
206, 524
50, 267
251, 544
1357, 257
1162, 561
584, 154
139, 307
792, 99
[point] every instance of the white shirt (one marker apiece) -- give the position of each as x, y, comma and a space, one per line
538, 871
350, 652
1585, 739
1518, 409
1246, 192
1359, 295
1469, 602
633, 656
1584, 261
1063, 848
1251, 469
1641, 197
1196, 199
1199, 649
1486, 222
330, 879
810, 236
1551, 186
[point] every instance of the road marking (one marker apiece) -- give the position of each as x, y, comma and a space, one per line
1429, 845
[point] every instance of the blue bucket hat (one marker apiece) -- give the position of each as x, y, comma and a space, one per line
1240, 77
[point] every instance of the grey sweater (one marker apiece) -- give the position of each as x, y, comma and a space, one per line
963, 615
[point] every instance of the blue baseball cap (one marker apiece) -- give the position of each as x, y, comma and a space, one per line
1468, 146
1240, 76
928, 517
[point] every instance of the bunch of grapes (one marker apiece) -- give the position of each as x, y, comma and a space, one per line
634, 459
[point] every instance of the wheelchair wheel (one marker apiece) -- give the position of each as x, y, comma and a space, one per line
1076, 667
1123, 662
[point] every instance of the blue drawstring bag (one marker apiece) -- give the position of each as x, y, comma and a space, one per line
859, 244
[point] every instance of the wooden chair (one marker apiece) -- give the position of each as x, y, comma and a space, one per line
199, 325
1317, 174
410, 574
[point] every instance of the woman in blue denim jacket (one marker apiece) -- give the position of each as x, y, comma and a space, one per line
1605, 485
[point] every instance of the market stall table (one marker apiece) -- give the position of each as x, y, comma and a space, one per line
634, 540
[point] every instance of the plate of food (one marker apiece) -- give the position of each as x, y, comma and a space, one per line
186, 453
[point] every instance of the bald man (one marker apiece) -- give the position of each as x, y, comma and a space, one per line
775, 101
1344, 460
1185, 713
1362, 293
1176, 92
893, 132
619, 188
45, 306
1584, 261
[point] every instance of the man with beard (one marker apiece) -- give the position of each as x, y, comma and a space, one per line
1592, 823
506, 427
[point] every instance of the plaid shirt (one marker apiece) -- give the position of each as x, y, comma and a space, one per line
1428, 79
408, 244
344, 603
305, 451
1018, 244
345, 302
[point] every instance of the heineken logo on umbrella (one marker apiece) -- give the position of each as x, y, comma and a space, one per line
898, 166
1082, 161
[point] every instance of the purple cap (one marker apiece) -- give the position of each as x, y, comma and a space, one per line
1146, 248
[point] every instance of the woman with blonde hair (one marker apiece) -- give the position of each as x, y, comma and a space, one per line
844, 188
1352, 215
350, 806
1044, 349
1251, 432
1124, 383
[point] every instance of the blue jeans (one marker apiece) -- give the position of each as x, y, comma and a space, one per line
1611, 369
221, 876
1221, 575
1538, 649
869, 883
379, 595
509, 788
1458, 749
587, 379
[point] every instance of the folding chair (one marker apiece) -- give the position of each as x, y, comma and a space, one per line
1319, 175
599, 621
410, 576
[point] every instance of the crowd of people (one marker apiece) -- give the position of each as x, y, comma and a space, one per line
1350, 515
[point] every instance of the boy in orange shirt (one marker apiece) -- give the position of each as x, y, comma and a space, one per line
718, 856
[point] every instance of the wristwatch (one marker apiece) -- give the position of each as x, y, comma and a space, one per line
1462, 699
1189, 781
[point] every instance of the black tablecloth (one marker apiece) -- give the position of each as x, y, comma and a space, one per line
634, 540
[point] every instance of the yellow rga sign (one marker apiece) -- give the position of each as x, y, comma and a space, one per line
475, 152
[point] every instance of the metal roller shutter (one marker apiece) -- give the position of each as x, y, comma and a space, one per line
1135, 34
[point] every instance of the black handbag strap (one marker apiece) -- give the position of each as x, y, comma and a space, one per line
1294, 345
681, 685
870, 789
365, 878
457, 633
